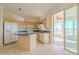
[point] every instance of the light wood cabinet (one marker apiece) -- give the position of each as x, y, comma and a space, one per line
7, 32
44, 37
27, 42
46, 23
33, 41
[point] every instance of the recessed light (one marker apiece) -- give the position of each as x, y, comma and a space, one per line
19, 9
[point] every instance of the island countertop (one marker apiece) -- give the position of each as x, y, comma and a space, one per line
24, 33
42, 31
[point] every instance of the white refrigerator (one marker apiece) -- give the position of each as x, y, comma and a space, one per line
9, 30
13, 31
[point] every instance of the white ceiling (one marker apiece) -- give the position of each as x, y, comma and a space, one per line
32, 9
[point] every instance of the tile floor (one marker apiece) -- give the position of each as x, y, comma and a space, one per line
59, 41
41, 49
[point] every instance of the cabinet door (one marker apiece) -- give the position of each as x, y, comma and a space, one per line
7, 36
13, 31
46, 37
41, 37
32, 41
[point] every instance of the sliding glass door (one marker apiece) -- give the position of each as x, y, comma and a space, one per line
59, 29
71, 29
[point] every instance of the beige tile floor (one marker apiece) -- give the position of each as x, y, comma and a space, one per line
59, 41
41, 49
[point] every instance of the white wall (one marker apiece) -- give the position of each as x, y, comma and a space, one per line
1, 26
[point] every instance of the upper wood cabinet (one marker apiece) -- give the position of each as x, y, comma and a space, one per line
8, 19
22, 24
46, 23
35, 24
26, 24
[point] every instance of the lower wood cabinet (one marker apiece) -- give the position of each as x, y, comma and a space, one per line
27, 42
44, 37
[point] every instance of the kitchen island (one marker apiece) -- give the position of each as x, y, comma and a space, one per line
26, 41
43, 35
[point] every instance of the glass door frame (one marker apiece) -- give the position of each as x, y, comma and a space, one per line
64, 27
73, 29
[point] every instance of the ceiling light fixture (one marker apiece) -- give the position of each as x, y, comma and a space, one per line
19, 9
